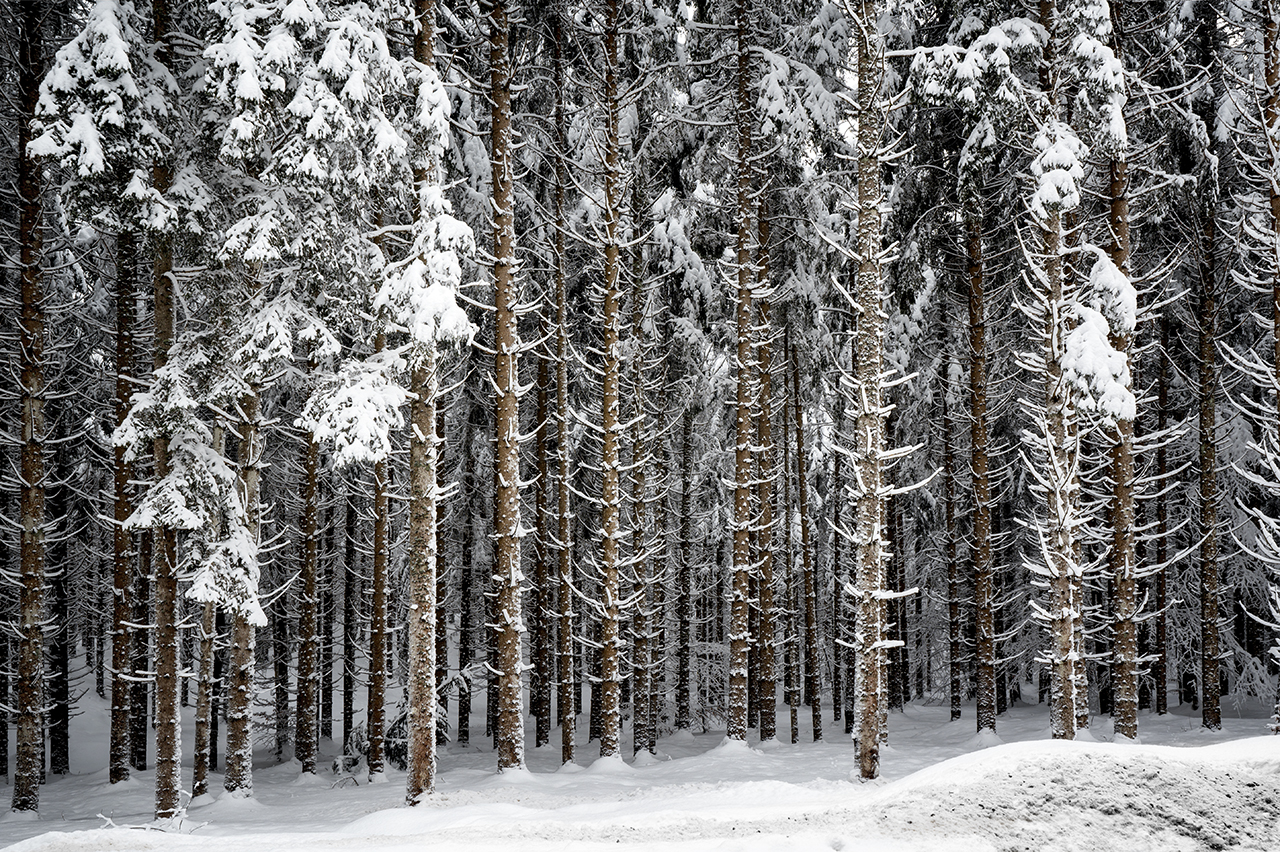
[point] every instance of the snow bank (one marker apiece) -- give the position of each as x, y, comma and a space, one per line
1028, 795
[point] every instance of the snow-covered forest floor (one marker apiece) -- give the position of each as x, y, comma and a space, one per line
943, 788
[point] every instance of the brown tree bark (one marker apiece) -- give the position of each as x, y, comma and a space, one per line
813, 678
31, 362
123, 554
566, 694
305, 721
1122, 556
611, 640
979, 466
743, 462
868, 428
506, 515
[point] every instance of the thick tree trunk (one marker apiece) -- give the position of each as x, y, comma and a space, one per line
743, 462
168, 798
31, 341
865, 492
1122, 557
506, 514
611, 641
423, 460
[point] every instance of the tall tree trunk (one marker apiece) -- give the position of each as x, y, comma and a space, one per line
238, 778
327, 616
305, 722
122, 540
791, 595
567, 693
768, 689
684, 577
1124, 672
866, 492
543, 672
377, 693
423, 460
350, 617
168, 798
60, 638
739, 634
1207, 23
506, 515
955, 662
1271, 119
979, 463
31, 340
466, 593
813, 678
611, 491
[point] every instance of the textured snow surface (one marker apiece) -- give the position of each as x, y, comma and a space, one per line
945, 789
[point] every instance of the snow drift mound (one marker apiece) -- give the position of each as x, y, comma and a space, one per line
1096, 797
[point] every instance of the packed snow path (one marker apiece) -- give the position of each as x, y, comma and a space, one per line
945, 789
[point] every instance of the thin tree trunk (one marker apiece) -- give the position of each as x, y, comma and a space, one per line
813, 678
204, 704
1271, 118
1207, 14
684, 567
768, 689
350, 618
122, 540
140, 634
376, 715
567, 694
305, 721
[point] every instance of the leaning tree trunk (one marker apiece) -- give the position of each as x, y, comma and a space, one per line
31, 340
506, 513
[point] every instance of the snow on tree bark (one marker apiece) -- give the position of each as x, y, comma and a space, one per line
509, 624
